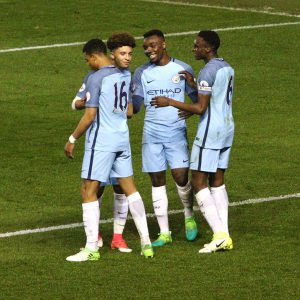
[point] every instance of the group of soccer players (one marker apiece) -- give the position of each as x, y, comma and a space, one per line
109, 96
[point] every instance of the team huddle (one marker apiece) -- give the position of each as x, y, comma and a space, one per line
110, 96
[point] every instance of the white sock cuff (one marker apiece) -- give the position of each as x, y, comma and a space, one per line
134, 197
202, 194
158, 190
219, 188
119, 196
185, 188
90, 205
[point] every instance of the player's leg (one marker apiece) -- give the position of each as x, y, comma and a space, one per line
154, 162
203, 162
178, 159
122, 169
218, 188
90, 216
120, 217
96, 168
99, 197
137, 210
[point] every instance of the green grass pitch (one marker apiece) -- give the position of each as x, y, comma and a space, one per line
39, 187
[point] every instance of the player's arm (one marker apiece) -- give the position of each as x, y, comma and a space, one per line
137, 102
83, 125
197, 108
129, 110
138, 91
78, 103
189, 78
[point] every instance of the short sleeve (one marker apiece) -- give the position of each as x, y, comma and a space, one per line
93, 90
206, 80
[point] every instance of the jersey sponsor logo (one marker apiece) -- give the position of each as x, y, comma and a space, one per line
176, 78
164, 92
88, 96
204, 86
82, 88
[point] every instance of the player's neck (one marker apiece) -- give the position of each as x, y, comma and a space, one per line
210, 57
104, 62
164, 60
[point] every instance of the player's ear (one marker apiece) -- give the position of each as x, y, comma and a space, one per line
164, 45
112, 56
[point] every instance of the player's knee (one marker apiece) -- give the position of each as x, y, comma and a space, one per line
180, 176
100, 191
217, 179
117, 189
158, 179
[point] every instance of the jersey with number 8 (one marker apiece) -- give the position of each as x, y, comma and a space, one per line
216, 127
108, 89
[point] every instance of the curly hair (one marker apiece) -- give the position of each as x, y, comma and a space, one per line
118, 40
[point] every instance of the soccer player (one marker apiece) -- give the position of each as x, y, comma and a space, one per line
164, 136
107, 149
212, 145
120, 201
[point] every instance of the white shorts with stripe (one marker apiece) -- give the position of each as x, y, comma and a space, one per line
101, 166
209, 160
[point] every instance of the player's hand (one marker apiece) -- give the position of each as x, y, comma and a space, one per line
80, 104
189, 78
183, 115
160, 101
69, 147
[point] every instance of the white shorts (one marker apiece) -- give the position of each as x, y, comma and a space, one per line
101, 166
158, 156
209, 160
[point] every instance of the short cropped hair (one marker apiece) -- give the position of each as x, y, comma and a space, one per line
211, 38
156, 32
94, 46
118, 40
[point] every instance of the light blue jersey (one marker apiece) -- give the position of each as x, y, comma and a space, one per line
161, 125
108, 89
216, 127
82, 91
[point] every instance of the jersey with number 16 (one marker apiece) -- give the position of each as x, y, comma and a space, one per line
108, 89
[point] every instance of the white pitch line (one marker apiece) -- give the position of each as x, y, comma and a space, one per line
171, 212
167, 35
224, 8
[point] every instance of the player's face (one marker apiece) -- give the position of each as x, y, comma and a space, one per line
200, 48
154, 47
91, 60
122, 57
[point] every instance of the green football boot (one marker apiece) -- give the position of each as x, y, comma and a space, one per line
147, 251
191, 230
163, 239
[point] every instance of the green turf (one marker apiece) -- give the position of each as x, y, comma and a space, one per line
39, 187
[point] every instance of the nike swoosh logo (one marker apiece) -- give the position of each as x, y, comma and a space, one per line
218, 245
150, 81
185, 160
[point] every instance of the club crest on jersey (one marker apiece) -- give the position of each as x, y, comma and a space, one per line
82, 88
176, 78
